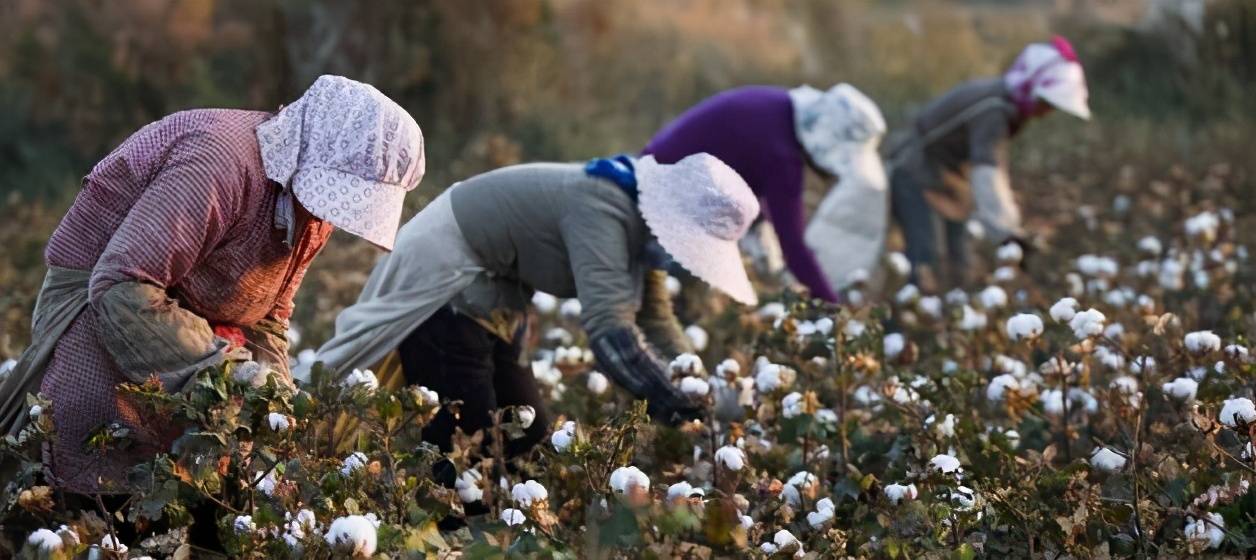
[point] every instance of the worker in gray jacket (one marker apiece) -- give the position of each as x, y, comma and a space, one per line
952, 162
452, 296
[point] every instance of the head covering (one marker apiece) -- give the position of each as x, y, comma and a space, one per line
841, 129
348, 153
698, 208
1051, 73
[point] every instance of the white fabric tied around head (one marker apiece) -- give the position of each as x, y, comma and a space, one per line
840, 129
348, 154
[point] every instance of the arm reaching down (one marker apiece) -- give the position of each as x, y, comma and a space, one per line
996, 208
785, 209
658, 320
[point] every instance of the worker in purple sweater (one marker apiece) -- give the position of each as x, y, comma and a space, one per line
768, 134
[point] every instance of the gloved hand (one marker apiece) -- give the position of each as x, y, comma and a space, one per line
625, 357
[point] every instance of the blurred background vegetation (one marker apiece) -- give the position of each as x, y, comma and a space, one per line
495, 82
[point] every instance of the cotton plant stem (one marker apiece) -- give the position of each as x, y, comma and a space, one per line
1138, 519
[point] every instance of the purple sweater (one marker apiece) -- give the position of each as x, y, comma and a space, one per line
751, 129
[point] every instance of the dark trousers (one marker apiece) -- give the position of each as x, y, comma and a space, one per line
918, 221
453, 355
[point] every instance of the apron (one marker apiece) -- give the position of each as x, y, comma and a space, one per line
61, 298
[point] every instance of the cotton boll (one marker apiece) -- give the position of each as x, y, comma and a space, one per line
818, 519
796, 486
728, 368
1236, 353
1076, 286
267, 483
769, 378
1237, 412
1010, 253
1182, 388
945, 428
307, 357
893, 345
562, 438
570, 309
805, 329
931, 306
354, 535
791, 405
866, 396
1147, 269
45, 542
512, 517
243, 525
625, 479
945, 464
1150, 245
1202, 342
112, 544
853, 329
544, 303
1024, 326
277, 422
826, 417
972, 320
361, 379
698, 337
1206, 532
899, 264
694, 386
1086, 324
684, 491
897, 493
1203, 226
993, 297
559, 336
468, 486
907, 294
1004, 274
1143, 364
772, 311
964, 498
527, 493
687, 364
1109, 358
731, 458
598, 383
1106, 460
997, 390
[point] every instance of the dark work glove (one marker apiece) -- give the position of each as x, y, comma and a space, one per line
623, 355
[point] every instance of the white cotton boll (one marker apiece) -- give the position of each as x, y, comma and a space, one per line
1076, 286
1182, 388
949, 366
35, 412
1010, 253
683, 491
956, 297
1109, 358
512, 517
1143, 364
1116, 298
1086, 324
945, 428
791, 405
853, 329
112, 544
768, 378
267, 483
993, 297
698, 337
824, 326
964, 498
893, 345
972, 320
468, 486
562, 438
728, 368
1207, 532
945, 464
544, 303
730, 457
251, 373
570, 309
1125, 385
243, 525
361, 378
1147, 269
624, 479
673, 285
997, 390
975, 229
907, 294
1203, 225
1114, 331
1172, 275
904, 395
525, 415
598, 383
1202, 342
768, 548
866, 396
1150, 245
353, 535
277, 422
897, 493
1004, 274
1236, 352
527, 493
772, 311
804, 329
819, 518
930, 305
899, 264
1106, 460
1237, 412
45, 542
353, 463
1024, 326
695, 386
687, 364
429, 396
1093, 265
826, 417
559, 336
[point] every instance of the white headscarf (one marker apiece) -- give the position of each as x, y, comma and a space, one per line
348, 153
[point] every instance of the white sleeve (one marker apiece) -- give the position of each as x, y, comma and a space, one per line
996, 208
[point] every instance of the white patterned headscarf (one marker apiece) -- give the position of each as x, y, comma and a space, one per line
349, 155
